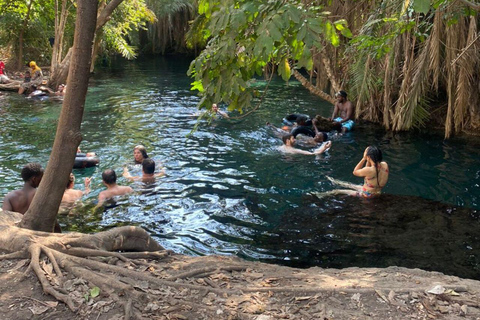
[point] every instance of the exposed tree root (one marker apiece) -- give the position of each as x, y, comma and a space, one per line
93, 275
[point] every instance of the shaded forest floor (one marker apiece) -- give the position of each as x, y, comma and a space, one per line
218, 287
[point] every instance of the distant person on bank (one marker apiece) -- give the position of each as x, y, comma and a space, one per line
3, 76
343, 112
36, 80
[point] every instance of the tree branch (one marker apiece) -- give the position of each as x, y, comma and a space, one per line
473, 5
104, 16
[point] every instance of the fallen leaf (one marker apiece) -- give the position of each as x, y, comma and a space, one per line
94, 292
451, 292
438, 289
36, 310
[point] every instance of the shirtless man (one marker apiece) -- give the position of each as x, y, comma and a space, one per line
19, 200
289, 142
109, 179
71, 195
148, 172
343, 112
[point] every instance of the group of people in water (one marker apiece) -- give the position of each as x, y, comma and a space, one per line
299, 129
32, 173
371, 167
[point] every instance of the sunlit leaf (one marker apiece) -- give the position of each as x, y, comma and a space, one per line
95, 292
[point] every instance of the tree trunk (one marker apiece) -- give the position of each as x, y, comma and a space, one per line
61, 73
20, 36
43, 210
60, 23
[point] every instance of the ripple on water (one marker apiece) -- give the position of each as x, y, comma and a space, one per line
228, 190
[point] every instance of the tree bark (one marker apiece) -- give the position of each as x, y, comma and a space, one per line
20, 36
43, 210
60, 23
61, 73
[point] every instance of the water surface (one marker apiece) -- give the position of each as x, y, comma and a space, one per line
229, 191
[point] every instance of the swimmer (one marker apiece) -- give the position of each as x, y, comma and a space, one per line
139, 154
215, 110
19, 200
109, 179
70, 196
289, 142
88, 154
148, 172
374, 171
304, 126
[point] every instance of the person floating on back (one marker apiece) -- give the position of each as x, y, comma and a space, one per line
289, 142
374, 171
19, 200
109, 179
343, 112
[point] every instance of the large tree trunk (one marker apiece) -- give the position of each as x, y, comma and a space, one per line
42, 212
61, 73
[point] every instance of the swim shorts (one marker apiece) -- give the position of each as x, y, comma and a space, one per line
347, 124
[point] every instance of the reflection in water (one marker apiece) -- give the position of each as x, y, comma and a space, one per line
229, 191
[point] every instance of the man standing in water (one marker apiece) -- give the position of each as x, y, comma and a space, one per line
148, 172
343, 112
109, 178
19, 200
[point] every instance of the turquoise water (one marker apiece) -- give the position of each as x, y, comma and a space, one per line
229, 191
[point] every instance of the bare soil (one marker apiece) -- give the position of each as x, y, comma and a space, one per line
219, 287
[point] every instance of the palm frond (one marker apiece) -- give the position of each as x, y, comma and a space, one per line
465, 84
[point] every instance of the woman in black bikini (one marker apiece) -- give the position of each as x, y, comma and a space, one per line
373, 169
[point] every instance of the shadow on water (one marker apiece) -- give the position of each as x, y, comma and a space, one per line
390, 230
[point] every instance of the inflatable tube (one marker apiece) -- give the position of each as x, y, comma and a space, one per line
81, 161
303, 130
291, 118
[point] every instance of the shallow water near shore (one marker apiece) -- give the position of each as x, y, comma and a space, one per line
229, 191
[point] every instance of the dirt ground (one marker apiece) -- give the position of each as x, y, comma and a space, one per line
219, 287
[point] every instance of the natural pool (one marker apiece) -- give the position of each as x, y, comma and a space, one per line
228, 190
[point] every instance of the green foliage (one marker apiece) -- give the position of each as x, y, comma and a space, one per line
130, 16
421, 6
39, 28
245, 36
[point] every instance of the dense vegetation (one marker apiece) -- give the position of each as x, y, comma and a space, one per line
403, 62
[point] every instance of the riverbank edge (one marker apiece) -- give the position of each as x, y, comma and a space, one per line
256, 290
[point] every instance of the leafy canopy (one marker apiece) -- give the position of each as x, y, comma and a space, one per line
244, 36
